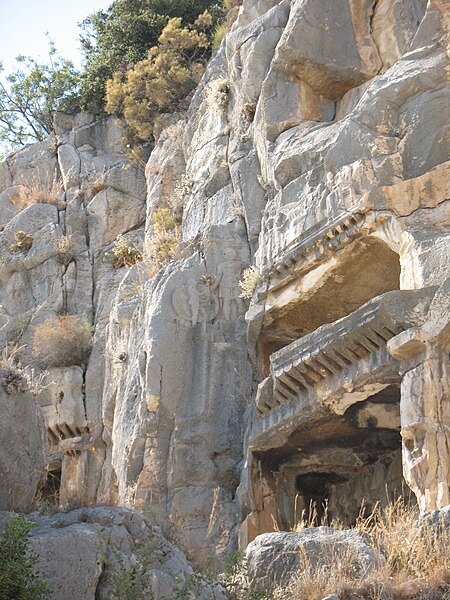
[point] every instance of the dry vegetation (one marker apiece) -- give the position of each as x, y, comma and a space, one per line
249, 281
62, 341
217, 94
22, 242
125, 253
247, 111
165, 238
97, 186
37, 194
177, 200
159, 82
416, 566
65, 246
14, 377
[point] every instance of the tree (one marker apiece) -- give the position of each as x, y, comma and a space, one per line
30, 95
119, 37
159, 82
18, 580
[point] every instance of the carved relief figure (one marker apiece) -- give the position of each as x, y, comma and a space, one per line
194, 303
228, 275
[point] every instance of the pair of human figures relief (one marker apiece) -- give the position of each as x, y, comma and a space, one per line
202, 301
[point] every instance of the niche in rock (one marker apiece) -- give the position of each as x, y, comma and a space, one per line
49, 493
330, 291
335, 466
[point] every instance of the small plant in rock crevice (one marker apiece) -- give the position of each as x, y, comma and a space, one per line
165, 238
62, 341
125, 253
65, 246
177, 199
217, 94
247, 111
36, 193
22, 242
14, 377
11, 376
249, 281
96, 186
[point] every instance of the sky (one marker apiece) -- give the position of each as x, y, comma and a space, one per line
23, 24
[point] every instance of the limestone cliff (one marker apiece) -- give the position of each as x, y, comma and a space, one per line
317, 148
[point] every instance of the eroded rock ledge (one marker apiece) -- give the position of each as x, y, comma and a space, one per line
328, 168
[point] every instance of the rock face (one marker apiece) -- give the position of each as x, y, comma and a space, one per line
89, 553
273, 558
326, 165
23, 449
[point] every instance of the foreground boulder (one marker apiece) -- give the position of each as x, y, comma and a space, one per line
273, 559
98, 553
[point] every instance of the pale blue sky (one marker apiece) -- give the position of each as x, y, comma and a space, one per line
23, 24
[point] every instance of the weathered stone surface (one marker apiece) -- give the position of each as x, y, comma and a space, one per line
23, 446
83, 554
273, 558
316, 147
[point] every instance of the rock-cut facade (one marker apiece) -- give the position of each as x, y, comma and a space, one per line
315, 149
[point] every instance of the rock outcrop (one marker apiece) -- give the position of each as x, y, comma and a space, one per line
316, 148
23, 447
99, 553
273, 558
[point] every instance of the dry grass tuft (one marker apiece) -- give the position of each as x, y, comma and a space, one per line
416, 567
165, 238
125, 253
248, 110
62, 341
14, 377
22, 242
217, 94
249, 281
37, 194
96, 186
11, 378
65, 246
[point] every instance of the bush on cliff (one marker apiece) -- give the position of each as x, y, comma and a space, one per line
62, 341
121, 36
18, 578
159, 82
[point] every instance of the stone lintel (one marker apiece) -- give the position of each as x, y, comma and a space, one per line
325, 238
339, 364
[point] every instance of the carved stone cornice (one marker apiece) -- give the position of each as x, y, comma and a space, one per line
334, 366
316, 247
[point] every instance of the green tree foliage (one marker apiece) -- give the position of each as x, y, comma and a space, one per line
30, 95
18, 580
160, 81
114, 39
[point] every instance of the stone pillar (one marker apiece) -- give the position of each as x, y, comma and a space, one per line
425, 404
426, 429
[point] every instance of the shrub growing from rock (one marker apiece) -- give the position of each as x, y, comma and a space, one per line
62, 341
249, 281
125, 254
159, 82
22, 242
18, 579
165, 238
